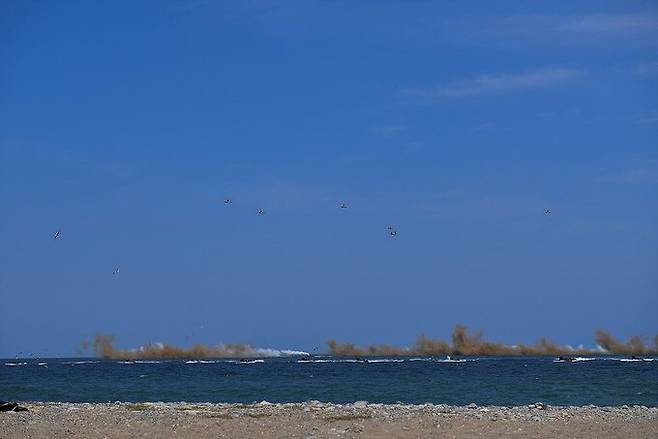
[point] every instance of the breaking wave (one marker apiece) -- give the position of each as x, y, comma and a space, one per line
268, 352
77, 363
573, 360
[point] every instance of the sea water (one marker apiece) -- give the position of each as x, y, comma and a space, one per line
485, 381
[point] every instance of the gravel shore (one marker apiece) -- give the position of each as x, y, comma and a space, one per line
315, 419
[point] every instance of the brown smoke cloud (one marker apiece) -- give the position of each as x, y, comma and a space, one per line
464, 343
634, 345
104, 347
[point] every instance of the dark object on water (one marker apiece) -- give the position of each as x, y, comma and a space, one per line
245, 360
11, 407
361, 360
568, 359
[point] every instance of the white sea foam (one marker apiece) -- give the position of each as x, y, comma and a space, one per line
385, 360
15, 364
204, 361
442, 360
329, 361
268, 352
574, 360
73, 363
365, 361
43, 364
147, 362
247, 362
632, 360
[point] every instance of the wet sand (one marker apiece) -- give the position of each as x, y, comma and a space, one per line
320, 420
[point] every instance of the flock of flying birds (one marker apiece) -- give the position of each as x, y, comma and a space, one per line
392, 231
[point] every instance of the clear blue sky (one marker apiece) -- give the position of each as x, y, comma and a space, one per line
125, 124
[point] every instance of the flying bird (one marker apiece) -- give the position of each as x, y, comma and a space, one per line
394, 233
343, 206
261, 211
57, 233
116, 271
228, 201
547, 212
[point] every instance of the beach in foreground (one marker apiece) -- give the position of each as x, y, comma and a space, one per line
319, 420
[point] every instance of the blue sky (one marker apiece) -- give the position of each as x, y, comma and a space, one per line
126, 124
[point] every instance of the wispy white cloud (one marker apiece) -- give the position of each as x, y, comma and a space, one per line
487, 126
609, 24
572, 30
387, 131
648, 118
486, 84
644, 171
646, 68
634, 176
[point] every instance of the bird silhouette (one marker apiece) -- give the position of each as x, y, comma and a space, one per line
261, 211
547, 212
228, 201
343, 206
57, 234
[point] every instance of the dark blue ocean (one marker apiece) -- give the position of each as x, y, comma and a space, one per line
490, 380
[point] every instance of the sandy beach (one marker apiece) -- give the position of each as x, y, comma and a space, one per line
321, 420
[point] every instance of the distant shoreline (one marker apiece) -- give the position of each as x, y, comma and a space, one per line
320, 356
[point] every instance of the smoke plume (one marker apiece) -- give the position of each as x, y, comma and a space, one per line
464, 343
104, 348
634, 345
